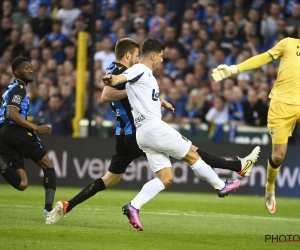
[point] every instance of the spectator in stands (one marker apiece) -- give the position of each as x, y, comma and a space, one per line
171, 41
230, 33
165, 84
254, 17
100, 109
255, 111
70, 53
196, 109
218, 30
269, 24
293, 22
170, 67
195, 50
186, 37
5, 30
68, 98
215, 90
67, 14
271, 73
4, 64
236, 113
36, 103
79, 25
200, 72
14, 44
243, 81
41, 25
258, 78
217, 117
86, 14
57, 117
106, 55
155, 21
43, 95
110, 17
126, 18
181, 86
5, 80
211, 17
56, 36
178, 101
141, 35
7, 9
21, 16
33, 7
235, 49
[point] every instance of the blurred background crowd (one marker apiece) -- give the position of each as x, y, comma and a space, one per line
199, 35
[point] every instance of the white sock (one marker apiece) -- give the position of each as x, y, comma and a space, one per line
149, 190
205, 172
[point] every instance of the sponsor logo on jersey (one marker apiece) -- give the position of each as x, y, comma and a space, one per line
17, 99
155, 96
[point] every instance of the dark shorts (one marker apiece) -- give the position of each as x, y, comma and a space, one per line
18, 143
127, 150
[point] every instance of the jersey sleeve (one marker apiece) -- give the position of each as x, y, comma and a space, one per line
134, 73
16, 96
278, 49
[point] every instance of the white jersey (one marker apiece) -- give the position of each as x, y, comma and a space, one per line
143, 94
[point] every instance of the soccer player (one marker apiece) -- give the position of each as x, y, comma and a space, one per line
155, 137
127, 149
284, 110
18, 136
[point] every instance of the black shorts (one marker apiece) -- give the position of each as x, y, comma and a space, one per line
127, 150
18, 143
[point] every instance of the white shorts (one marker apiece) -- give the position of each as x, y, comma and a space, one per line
159, 141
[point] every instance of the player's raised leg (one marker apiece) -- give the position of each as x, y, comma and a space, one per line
243, 166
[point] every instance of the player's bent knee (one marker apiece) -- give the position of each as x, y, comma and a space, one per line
23, 186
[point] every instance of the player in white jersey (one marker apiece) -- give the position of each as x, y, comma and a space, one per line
155, 137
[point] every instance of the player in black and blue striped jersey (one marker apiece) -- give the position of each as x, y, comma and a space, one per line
126, 149
18, 136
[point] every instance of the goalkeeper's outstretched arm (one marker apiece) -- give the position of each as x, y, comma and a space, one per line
223, 71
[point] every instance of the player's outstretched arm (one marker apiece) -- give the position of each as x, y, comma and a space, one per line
15, 116
112, 80
224, 71
167, 105
110, 94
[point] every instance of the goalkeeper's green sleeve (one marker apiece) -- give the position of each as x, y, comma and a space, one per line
255, 62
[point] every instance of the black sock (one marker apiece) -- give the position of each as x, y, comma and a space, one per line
90, 190
219, 162
11, 177
50, 187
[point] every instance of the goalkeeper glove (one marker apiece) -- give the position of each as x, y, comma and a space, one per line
223, 71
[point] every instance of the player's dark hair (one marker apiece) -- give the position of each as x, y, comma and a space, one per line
152, 45
125, 45
18, 61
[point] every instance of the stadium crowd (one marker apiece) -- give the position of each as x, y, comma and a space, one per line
199, 35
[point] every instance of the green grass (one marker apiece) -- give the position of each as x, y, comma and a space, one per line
171, 221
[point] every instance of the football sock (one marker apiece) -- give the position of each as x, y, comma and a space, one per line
49, 186
149, 190
218, 162
11, 177
205, 172
272, 173
90, 190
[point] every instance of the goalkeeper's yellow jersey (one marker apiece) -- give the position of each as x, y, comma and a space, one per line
287, 86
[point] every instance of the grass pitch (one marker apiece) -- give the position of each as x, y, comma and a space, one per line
171, 221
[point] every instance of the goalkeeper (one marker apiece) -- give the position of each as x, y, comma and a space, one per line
284, 109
